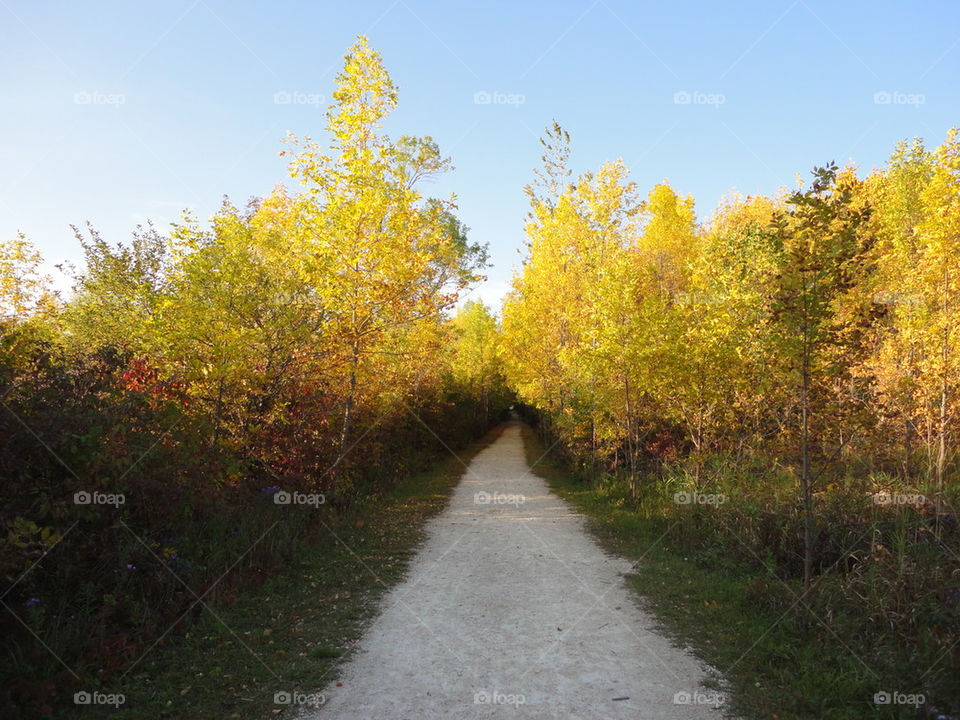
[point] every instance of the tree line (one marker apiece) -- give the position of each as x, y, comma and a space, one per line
797, 355
316, 341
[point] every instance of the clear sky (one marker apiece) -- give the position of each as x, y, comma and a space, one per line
115, 112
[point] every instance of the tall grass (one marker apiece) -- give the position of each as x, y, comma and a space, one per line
883, 612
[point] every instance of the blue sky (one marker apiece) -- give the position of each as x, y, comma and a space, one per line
115, 112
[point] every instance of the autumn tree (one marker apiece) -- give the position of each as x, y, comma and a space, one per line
24, 287
933, 320
118, 290
821, 248
895, 193
475, 363
237, 322
385, 257
727, 319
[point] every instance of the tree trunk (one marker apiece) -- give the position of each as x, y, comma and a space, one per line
942, 431
348, 405
631, 440
805, 481
217, 415
593, 450
908, 427
907, 448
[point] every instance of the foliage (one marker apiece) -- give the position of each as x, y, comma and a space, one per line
303, 345
795, 355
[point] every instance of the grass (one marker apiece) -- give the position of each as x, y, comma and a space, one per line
292, 632
777, 660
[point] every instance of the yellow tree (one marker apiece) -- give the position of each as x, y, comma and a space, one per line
895, 194
599, 363
723, 318
669, 240
386, 257
534, 324
28, 305
237, 321
23, 286
917, 220
474, 350
573, 238
934, 321
685, 372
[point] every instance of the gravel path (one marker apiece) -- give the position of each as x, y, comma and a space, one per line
512, 610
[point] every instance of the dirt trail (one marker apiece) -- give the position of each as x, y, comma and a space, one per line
512, 610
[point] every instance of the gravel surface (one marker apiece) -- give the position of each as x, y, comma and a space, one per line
511, 609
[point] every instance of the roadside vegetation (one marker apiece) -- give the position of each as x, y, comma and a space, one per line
772, 395
777, 653
179, 436
285, 637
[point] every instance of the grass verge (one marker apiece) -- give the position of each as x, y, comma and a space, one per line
778, 661
292, 632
